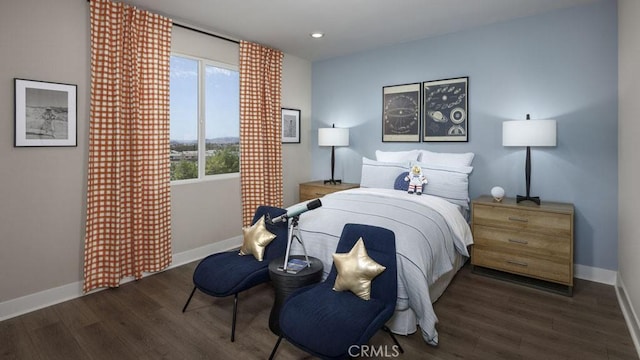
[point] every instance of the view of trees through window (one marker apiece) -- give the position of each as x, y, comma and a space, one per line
201, 89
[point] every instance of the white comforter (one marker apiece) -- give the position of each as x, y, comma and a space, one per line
429, 230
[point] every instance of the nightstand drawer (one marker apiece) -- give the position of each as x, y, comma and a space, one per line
522, 219
523, 243
523, 265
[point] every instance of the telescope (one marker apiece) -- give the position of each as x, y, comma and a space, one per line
297, 210
294, 213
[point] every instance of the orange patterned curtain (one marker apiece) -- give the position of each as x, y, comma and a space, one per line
128, 196
260, 128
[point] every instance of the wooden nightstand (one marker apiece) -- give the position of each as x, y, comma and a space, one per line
529, 240
317, 189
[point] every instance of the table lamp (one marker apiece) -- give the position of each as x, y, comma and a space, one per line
333, 137
529, 133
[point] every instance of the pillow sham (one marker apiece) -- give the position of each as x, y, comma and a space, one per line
448, 182
397, 156
448, 159
380, 174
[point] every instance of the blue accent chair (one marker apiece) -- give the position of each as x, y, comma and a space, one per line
334, 324
227, 273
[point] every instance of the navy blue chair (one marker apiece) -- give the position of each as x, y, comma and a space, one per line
335, 324
227, 273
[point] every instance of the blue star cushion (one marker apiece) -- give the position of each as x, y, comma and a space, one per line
400, 183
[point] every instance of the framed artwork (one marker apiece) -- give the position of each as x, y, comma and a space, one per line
445, 110
45, 113
401, 113
290, 126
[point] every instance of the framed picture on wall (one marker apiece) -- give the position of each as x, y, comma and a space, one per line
290, 126
445, 110
45, 113
401, 113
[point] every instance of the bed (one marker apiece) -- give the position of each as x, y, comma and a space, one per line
432, 234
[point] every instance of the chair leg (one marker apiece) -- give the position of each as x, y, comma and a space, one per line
235, 311
275, 348
189, 300
386, 328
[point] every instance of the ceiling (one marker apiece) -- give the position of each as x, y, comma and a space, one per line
350, 26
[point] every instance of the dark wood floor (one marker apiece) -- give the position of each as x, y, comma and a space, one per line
480, 318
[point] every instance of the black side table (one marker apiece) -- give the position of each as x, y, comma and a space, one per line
285, 283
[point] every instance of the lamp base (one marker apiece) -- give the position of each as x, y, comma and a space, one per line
535, 199
333, 182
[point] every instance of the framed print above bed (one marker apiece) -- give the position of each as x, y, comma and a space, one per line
45, 113
401, 113
445, 110
290, 126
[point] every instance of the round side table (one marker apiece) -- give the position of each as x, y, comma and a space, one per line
285, 283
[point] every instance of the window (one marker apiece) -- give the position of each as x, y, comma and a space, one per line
205, 118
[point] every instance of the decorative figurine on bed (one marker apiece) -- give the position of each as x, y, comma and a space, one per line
416, 180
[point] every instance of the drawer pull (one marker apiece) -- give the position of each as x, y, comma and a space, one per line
512, 262
512, 218
320, 194
518, 241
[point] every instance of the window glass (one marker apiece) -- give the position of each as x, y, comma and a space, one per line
184, 118
211, 147
222, 120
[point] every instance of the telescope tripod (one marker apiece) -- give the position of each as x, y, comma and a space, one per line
294, 233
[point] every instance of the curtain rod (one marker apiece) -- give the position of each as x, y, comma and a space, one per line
201, 31
206, 33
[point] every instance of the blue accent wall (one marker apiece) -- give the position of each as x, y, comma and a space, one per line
560, 65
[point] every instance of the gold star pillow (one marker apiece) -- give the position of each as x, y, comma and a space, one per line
356, 270
256, 238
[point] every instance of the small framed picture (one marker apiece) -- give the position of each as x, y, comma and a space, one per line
401, 113
290, 126
445, 110
45, 113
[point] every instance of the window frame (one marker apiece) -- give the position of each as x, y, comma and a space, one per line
201, 121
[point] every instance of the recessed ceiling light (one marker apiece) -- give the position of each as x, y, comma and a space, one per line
317, 35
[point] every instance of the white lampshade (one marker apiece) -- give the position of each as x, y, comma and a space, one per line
333, 137
529, 133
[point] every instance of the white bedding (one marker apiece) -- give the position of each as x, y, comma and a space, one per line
430, 233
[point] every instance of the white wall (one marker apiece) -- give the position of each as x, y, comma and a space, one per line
296, 94
43, 190
628, 163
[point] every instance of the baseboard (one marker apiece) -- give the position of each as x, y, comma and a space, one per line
28, 303
630, 316
599, 275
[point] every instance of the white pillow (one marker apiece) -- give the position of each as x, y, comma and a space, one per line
448, 182
379, 174
397, 156
448, 159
